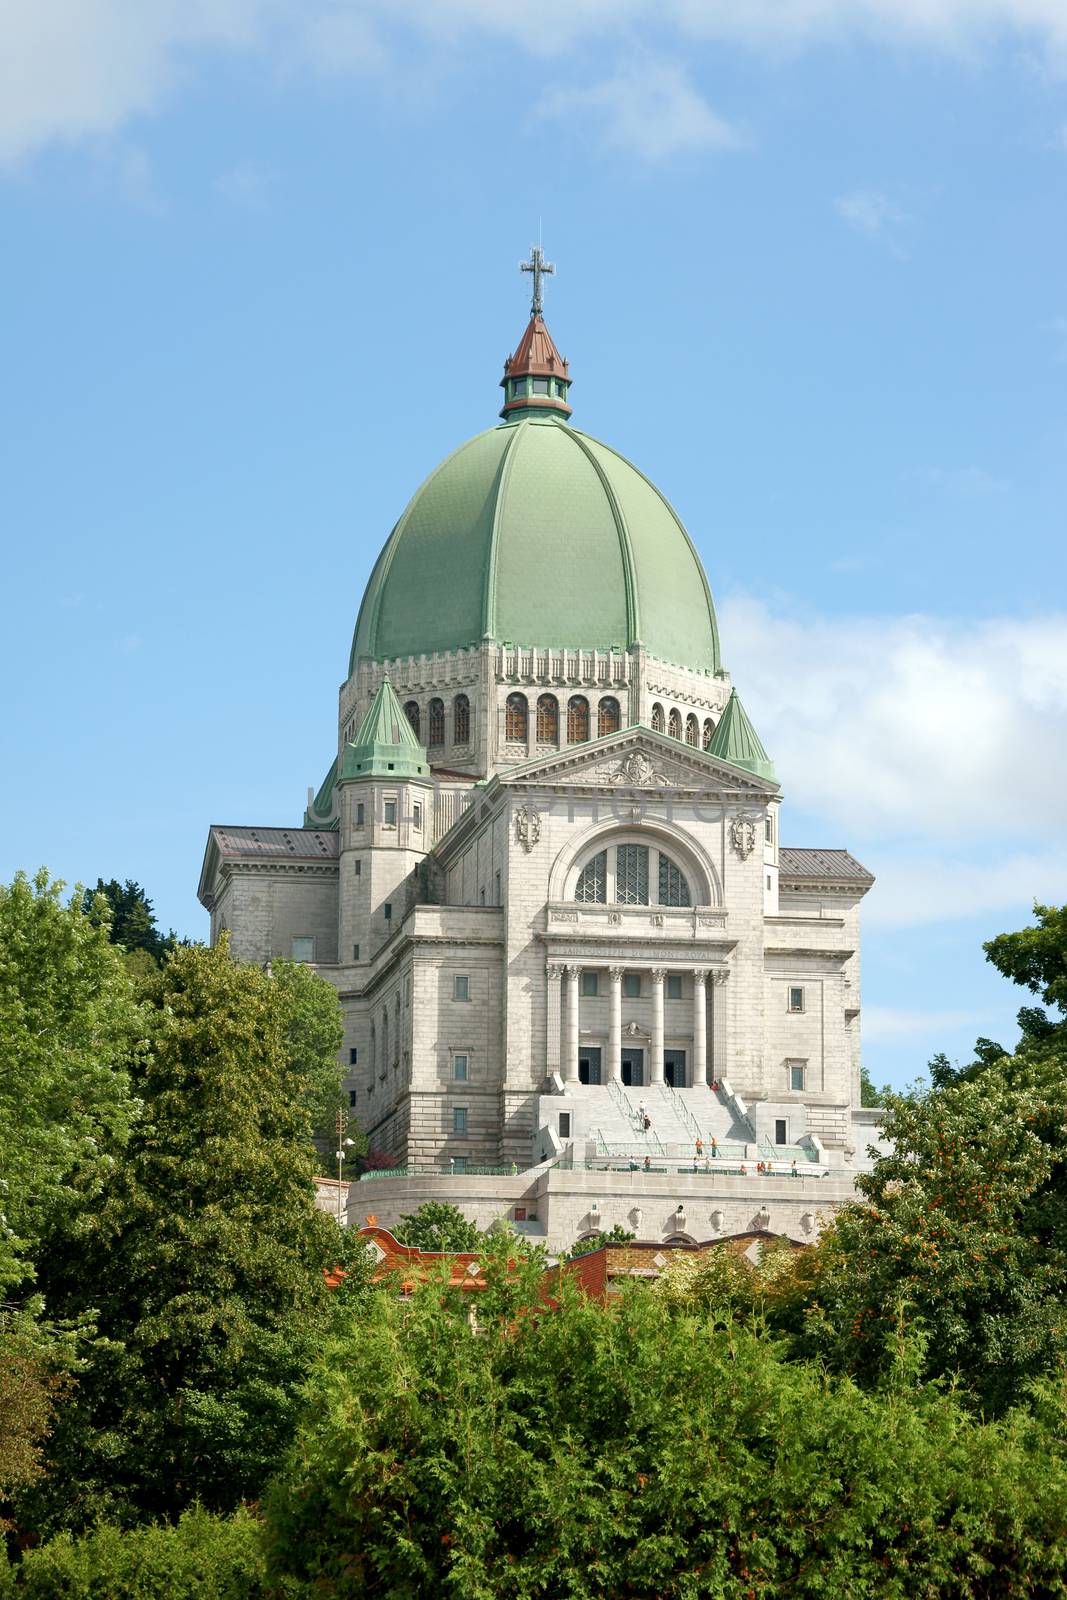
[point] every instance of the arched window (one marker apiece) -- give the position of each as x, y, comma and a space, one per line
593, 880
674, 725
631, 874
577, 719
411, 711
461, 720
608, 718
657, 718
692, 730
548, 719
385, 1038
437, 722
515, 719
709, 732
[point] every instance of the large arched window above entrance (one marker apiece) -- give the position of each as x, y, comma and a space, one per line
674, 725
515, 719
411, 711
461, 720
632, 874
577, 719
436, 732
547, 719
657, 718
608, 716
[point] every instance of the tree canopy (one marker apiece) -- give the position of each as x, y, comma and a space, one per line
129, 917
437, 1225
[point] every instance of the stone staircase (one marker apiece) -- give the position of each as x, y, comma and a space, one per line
612, 1115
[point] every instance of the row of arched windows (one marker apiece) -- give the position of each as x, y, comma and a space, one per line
435, 720
699, 738
517, 718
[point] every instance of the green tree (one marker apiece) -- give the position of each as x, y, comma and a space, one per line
129, 918
641, 1447
314, 1034
870, 1093
203, 1261
69, 1028
615, 1235
438, 1226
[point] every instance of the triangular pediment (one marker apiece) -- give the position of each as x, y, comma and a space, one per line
636, 759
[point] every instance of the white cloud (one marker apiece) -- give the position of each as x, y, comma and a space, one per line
649, 109
916, 890
883, 1022
246, 185
911, 727
76, 68
869, 211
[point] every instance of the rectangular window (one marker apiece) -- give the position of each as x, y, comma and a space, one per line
459, 1068
631, 985
674, 986
388, 911
564, 1124
417, 815
768, 828
359, 814
796, 1074
781, 1131
796, 1000
540, 386
355, 952
353, 1056
389, 813
459, 1119
351, 1097
590, 983
303, 950
768, 880
458, 1163
520, 1213
461, 986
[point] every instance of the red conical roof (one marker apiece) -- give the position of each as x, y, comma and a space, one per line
536, 356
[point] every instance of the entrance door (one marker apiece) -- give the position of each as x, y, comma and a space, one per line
674, 1068
633, 1068
589, 1064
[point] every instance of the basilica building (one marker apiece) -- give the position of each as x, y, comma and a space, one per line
545, 870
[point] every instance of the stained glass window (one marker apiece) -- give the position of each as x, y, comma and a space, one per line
548, 719
411, 711
709, 730
577, 719
437, 722
631, 875
674, 725
692, 730
461, 719
593, 880
608, 718
657, 718
515, 715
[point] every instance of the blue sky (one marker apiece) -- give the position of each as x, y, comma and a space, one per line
259, 275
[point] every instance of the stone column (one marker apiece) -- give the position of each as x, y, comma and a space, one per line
719, 978
700, 1025
615, 1026
553, 1021
656, 1065
570, 1065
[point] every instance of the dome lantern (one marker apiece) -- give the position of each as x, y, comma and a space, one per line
536, 379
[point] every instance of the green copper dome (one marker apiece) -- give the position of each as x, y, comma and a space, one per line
535, 534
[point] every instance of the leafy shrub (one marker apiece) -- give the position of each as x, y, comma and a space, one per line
201, 1557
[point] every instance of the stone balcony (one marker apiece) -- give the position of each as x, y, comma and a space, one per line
568, 919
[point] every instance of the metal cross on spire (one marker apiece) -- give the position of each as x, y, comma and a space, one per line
539, 267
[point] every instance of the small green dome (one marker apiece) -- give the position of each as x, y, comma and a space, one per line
532, 533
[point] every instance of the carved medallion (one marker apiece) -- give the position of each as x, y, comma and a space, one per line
527, 827
636, 771
743, 836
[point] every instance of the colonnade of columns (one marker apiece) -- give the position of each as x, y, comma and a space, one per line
564, 1022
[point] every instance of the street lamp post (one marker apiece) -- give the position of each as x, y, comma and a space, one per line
343, 1145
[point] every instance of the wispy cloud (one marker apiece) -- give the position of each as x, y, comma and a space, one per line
961, 482
246, 185
884, 1022
72, 69
649, 109
872, 213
